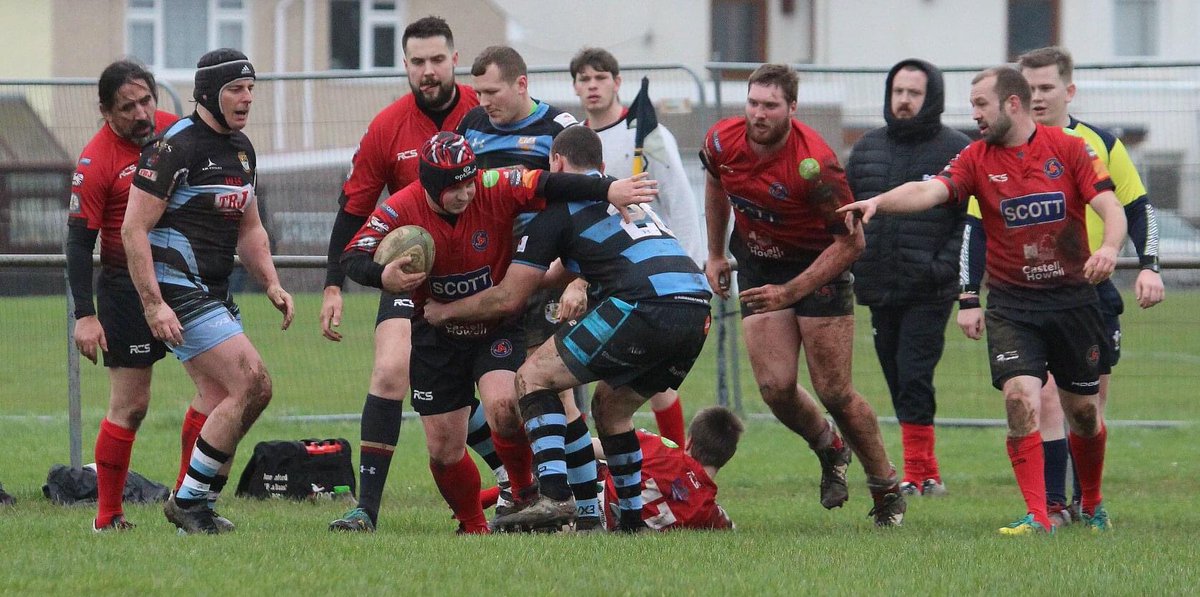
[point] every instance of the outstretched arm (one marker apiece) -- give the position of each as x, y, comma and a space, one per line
906, 198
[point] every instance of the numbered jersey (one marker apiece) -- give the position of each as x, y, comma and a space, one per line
676, 491
633, 261
207, 179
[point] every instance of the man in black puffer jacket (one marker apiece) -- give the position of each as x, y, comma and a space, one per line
908, 274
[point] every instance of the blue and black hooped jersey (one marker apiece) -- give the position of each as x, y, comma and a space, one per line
522, 143
207, 179
635, 261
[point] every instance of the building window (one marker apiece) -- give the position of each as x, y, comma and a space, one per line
170, 35
364, 34
1032, 24
1135, 27
739, 30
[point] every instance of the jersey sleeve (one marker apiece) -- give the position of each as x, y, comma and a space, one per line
710, 153
160, 168
1125, 176
520, 185
959, 176
551, 231
383, 220
676, 201
368, 173
832, 192
1091, 175
90, 190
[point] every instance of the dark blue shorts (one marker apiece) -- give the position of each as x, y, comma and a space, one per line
648, 346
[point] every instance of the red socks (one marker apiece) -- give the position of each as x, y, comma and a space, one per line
1088, 453
1028, 462
517, 458
488, 497
193, 422
459, 484
920, 463
670, 422
114, 444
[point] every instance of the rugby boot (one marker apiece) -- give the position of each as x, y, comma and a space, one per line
889, 510
356, 520
834, 463
1098, 521
116, 523
543, 514
193, 519
933, 488
1025, 526
1059, 514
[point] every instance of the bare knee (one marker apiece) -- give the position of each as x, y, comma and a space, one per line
258, 396
1084, 416
1021, 407
778, 394
390, 379
445, 454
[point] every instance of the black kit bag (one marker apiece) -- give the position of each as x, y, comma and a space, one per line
66, 485
304, 469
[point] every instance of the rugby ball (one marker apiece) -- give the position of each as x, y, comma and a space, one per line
413, 241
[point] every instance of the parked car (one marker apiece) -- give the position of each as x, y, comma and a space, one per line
1177, 239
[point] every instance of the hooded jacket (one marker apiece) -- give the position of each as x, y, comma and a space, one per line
909, 258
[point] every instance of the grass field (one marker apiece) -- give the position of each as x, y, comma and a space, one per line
785, 542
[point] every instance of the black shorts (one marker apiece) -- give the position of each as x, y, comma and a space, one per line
648, 346
394, 306
119, 309
443, 370
1070, 343
1111, 308
834, 299
541, 317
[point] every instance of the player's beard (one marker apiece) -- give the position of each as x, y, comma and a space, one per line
442, 96
141, 131
769, 136
998, 130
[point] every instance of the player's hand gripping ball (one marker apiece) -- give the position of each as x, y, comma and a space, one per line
412, 241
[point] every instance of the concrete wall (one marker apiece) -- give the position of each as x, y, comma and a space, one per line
25, 28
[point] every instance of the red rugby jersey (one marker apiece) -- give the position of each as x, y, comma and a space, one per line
1032, 200
100, 186
387, 154
473, 253
676, 492
784, 204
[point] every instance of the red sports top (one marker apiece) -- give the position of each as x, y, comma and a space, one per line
1032, 200
100, 186
783, 204
676, 492
387, 153
473, 253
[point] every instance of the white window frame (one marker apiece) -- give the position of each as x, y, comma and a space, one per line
216, 16
369, 18
1156, 6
